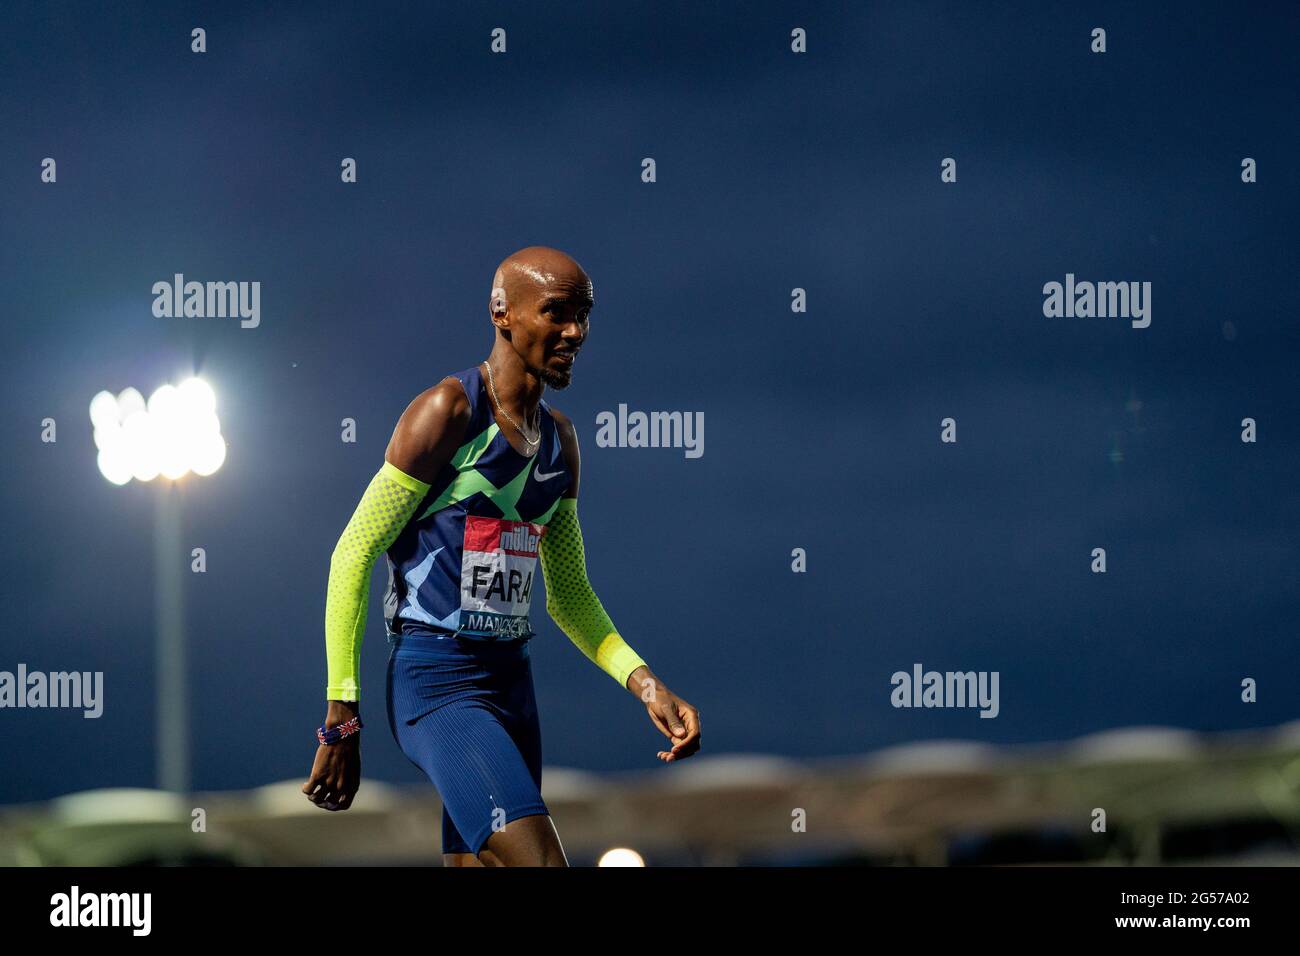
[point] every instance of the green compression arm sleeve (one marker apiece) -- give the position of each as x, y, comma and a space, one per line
387, 505
570, 600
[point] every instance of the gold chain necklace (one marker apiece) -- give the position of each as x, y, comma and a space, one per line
524, 435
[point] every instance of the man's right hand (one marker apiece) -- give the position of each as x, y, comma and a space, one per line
336, 771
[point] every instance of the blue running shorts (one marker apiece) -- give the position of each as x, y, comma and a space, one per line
464, 712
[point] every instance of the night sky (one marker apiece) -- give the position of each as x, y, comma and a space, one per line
775, 171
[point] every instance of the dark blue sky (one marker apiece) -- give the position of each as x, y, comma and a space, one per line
775, 171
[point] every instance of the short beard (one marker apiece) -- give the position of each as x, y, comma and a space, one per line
554, 379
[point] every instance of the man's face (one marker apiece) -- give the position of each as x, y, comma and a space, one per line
555, 324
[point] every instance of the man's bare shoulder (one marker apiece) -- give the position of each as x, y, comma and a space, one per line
568, 448
430, 430
445, 400
564, 425
561, 420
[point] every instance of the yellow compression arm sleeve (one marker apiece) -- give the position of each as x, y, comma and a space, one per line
570, 600
387, 505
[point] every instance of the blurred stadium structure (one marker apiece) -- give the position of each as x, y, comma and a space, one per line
1171, 797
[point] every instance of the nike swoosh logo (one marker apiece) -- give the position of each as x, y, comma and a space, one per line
541, 477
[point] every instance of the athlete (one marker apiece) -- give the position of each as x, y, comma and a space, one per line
479, 481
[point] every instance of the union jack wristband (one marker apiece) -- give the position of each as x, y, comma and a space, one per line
332, 735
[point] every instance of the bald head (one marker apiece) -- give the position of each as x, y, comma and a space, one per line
540, 304
526, 275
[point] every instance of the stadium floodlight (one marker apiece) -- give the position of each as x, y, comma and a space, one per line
176, 432
621, 856
173, 434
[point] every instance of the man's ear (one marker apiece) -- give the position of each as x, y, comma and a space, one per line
499, 304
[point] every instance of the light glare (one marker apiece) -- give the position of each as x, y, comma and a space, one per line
114, 465
164, 402
103, 410
129, 401
209, 455
197, 396
621, 856
175, 432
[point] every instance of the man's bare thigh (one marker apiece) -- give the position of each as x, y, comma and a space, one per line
527, 841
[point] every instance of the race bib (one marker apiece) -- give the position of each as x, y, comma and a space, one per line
498, 562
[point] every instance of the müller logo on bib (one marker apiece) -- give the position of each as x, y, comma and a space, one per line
498, 562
